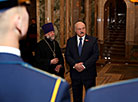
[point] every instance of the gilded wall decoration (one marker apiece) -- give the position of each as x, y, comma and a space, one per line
93, 17
82, 14
41, 16
82, 11
57, 19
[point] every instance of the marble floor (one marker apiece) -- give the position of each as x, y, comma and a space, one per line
110, 73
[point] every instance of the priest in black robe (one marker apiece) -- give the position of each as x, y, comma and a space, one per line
48, 54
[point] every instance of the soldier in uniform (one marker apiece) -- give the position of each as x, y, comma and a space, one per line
19, 81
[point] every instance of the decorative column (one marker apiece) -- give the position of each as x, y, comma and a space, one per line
88, 15
130, 29
38, 20
71, 18
62, 23
48, 11
130, 24
95, 21
136, 26
100, 20
67, 19
52, 10
75, 11
40, 4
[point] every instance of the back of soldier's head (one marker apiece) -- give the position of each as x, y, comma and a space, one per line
8, 9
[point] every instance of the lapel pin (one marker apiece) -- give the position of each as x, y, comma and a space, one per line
86, 40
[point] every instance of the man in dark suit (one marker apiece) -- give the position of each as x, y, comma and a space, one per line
81, 55
48, 53
19, 81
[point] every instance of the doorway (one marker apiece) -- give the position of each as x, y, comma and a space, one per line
114, 29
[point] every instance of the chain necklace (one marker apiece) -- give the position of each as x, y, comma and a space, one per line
53, 51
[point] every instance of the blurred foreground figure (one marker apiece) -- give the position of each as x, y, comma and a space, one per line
125, 91
19, 81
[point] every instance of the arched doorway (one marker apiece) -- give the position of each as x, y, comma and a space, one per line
114, 29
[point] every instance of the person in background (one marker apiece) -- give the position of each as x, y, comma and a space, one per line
25, 49
27, 45
32, 34
48, 53
81, 54
19, 81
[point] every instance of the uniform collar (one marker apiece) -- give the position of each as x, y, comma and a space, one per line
11, 50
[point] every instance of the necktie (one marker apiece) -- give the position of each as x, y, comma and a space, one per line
80, 46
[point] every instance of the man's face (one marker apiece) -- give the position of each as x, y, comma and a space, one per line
80, 29
33, 21
50, 35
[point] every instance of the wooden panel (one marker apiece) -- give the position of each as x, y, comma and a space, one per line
88, 15
67, 19
62, 23
52, 10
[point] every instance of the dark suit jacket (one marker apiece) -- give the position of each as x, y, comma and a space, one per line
20, 82
89, 57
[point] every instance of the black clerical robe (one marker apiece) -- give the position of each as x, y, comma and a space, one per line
43, 56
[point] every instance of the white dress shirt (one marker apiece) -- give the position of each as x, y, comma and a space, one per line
11, 50
78, 40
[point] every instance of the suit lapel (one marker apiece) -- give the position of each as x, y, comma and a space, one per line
75, 46
86, 40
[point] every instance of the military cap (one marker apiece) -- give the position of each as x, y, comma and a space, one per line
6, 4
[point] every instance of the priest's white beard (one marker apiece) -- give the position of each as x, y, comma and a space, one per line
51, 37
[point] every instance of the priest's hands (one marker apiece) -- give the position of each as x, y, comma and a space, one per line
57, 69
54, 61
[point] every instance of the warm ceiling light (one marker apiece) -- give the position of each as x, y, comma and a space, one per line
134, 0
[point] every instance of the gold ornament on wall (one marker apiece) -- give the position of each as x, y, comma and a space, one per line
134, 0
